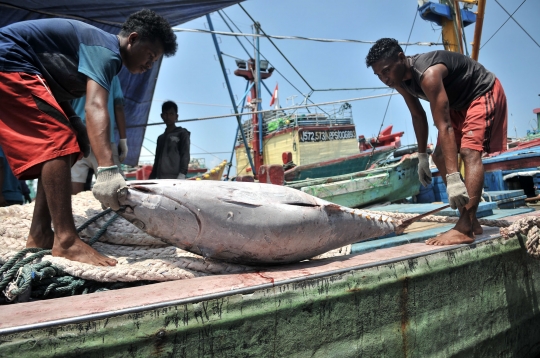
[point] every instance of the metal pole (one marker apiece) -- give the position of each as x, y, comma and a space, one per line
238, 118
478, 29
258, 82
238, 130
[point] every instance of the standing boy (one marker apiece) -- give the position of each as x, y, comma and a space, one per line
468, 105
44, 64
172, 150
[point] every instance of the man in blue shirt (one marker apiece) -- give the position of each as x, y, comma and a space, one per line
44, 64
80, 170
10, 189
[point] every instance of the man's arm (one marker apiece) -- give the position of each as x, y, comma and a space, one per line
419, 119
433, 87
109, 183
97, 123
120, 118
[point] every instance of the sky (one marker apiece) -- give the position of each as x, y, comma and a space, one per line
194, 80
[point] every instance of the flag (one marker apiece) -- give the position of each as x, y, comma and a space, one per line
275, 98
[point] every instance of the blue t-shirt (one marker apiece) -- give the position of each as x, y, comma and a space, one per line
65, 52
116, 97
11, 190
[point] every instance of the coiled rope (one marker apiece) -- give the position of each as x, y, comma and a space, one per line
44, 278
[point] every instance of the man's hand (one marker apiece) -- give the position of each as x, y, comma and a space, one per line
82, 135
122, 149
181, 176
456, 190
108, 186
424, 174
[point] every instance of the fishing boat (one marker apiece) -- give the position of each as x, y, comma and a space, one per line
393, 179
319, 144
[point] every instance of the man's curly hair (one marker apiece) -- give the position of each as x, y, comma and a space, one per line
383, 49
151, 26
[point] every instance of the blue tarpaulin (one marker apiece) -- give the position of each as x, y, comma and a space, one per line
109, 16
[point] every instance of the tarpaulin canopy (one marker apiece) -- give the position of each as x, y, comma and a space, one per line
109, 16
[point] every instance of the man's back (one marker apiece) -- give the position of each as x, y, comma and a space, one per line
466, 79
65, 52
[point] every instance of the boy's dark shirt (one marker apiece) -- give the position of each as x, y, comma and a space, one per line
466, 79
172, 154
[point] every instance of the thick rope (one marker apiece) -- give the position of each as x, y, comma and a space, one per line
29, 273
441, 219
529, 227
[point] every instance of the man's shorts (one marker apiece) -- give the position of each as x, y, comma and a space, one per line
483, 126
33, 127
80, 169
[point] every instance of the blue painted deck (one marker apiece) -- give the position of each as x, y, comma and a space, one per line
484, 209
420, 236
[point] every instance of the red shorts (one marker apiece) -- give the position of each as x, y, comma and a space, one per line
33, 127
483, 126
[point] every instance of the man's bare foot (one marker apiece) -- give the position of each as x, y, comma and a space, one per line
42, 239
451, 237
79, 251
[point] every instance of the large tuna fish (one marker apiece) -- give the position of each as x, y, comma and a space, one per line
246, 223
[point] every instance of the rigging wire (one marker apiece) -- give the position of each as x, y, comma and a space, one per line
518, 22
247, 52
302, 38
306, 97
504, 23
282, 54
265, 111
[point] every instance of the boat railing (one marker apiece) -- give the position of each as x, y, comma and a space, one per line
279, 120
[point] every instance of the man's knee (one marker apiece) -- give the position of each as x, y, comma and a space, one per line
470, 154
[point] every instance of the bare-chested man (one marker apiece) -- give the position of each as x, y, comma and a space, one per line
468, 106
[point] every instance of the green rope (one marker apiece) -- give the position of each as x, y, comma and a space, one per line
43, 279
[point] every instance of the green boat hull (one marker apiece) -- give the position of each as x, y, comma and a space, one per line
472, 301
392, 183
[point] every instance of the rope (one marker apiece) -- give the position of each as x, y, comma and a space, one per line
441, 219
41, 275
529, 227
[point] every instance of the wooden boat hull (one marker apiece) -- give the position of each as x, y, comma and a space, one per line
391, 183
339, 166
477, 300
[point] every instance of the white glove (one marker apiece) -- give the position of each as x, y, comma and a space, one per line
456, 190
181, 176
109, 186
122, 149
424, 174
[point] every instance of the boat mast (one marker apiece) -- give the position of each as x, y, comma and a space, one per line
231, 95
478, 29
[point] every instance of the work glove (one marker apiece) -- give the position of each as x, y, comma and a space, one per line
181, 176
122, 149
82, 134
456, 190
109, 186
424, 174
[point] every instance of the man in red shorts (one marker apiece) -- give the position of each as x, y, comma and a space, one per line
43, 65
468, 106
